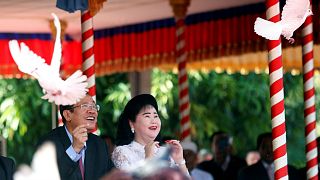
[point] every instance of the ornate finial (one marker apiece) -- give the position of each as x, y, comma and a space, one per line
54, 30
95, 6
180, 7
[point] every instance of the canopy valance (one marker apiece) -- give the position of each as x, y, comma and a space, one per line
218, 40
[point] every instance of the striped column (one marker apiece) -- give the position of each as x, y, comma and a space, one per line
88, 53
181, 57
309, 100
277, 97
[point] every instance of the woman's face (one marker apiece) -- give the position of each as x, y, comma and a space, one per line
147, 125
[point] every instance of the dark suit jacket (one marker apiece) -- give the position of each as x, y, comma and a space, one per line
7, 168
97, 162
253, 172
231, 173
258, 171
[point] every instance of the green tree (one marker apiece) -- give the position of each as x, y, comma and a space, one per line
238, 104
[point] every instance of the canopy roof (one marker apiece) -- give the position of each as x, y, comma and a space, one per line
25, 16
140, 34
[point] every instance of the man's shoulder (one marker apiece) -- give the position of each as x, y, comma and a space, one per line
6, 160
252, 169
238, 160
208, 165
53, 135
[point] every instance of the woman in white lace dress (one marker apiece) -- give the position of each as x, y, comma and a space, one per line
137, 136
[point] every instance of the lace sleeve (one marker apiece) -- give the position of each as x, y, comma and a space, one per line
120, 159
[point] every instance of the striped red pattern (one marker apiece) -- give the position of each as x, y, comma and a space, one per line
181, 58
277, 97
309, 100
88, 53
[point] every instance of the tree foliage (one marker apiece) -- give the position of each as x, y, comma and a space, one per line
238, 104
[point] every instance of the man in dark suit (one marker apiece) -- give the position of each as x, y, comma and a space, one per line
224, 165
80, 154
7, 168
264, 168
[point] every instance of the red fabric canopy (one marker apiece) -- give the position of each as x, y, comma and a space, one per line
142, 46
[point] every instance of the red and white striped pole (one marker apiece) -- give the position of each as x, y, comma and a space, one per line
277, 97
87, 52
184, 105
180, 10
309, 100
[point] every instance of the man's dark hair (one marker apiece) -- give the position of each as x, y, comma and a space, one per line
62, 108
261, 137
217, 133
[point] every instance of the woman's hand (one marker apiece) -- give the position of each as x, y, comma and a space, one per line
150, 148
177, 151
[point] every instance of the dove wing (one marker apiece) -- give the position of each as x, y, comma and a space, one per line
293, 14
28, 62
72, 90
56, 57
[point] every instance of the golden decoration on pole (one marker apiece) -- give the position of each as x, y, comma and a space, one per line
180, 7
63, 24
95, 6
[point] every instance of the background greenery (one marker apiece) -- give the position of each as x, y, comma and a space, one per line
238, 104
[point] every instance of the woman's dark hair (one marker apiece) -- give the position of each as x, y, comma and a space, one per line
131, 110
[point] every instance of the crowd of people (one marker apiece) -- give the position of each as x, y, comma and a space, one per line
138, 152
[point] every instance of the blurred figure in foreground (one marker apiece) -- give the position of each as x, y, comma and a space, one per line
190, 150
204, 155
155, 168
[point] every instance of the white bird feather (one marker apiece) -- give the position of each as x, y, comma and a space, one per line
43, 165
293, 15
57, 90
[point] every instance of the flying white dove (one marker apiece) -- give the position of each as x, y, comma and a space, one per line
43, 166
61, 92
293, 15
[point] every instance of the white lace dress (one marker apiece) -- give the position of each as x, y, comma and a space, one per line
126, 156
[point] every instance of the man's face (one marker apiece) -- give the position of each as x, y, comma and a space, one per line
265, 150
84, 113
220, 147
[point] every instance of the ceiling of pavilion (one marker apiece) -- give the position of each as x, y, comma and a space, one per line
31, 16
246, 54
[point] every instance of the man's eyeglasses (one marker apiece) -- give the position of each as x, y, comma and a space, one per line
86, 107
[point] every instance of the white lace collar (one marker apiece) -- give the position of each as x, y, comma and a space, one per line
136, 146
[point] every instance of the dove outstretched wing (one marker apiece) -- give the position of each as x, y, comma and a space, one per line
64, 92
57, 51
28, 62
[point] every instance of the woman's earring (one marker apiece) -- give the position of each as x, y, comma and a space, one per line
132, 130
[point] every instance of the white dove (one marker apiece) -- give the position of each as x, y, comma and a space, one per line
43, 166
293, 15
61, 92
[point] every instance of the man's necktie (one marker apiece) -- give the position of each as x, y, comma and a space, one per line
270, 172
81, 168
